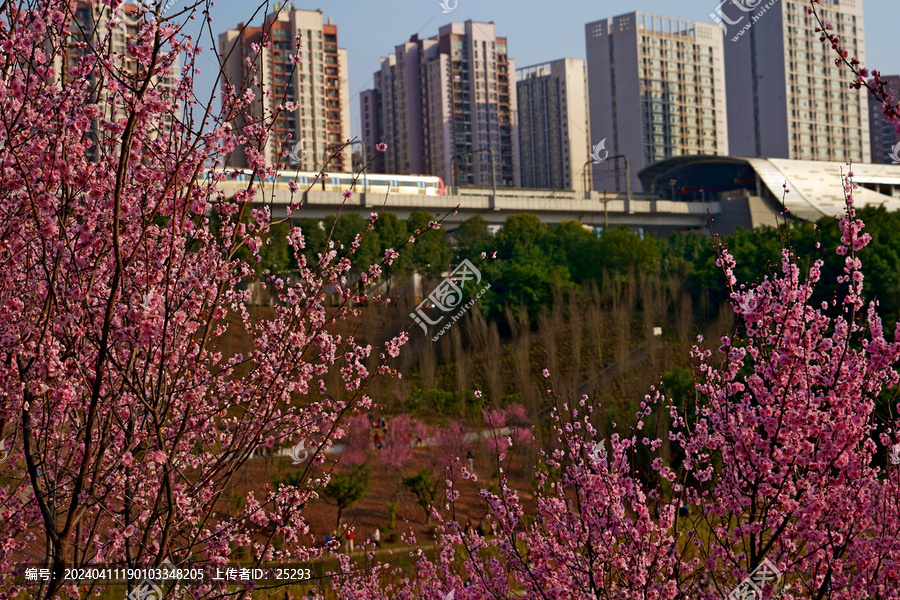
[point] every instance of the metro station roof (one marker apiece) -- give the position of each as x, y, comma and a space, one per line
815, 186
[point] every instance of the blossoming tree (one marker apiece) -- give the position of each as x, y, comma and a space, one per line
123, 266
780, 476
782, 486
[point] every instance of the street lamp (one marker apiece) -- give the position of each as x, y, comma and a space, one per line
587, 182
627, 177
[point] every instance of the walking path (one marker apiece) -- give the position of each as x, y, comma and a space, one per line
472, 436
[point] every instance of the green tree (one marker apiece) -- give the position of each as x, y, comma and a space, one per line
882, 259
528, 268
472, 238
578, 245
346, 489
621, 250
519, 234
425, 488
430, 254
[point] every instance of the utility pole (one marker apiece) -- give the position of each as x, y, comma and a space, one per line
487, 149
627, 180
605, 212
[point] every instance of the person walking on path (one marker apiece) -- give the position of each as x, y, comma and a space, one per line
470, 461
376, 537
350, 540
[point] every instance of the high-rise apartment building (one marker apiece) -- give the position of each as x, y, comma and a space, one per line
656, 89
319, 84
443, 102
554, 125
93, 26
786, 99
97, 29
370, 107
883, 136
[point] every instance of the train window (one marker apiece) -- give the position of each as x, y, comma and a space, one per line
393, 183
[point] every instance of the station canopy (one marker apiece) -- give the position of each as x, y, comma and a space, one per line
815, 186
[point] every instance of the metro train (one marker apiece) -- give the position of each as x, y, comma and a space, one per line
376, 183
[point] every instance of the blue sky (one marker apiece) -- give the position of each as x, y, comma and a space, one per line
537, 31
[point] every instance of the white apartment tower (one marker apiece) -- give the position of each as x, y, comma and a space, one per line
554, 125
319, 84
443, 102
786, 98
656, 89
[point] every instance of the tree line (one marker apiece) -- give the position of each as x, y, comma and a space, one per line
527, 260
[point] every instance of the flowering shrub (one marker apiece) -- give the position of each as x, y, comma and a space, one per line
778, 467
122, 271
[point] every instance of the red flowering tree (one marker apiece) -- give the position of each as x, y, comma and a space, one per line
782, 487
779, 470
399, 439
508, 427
123, 266
358, 440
